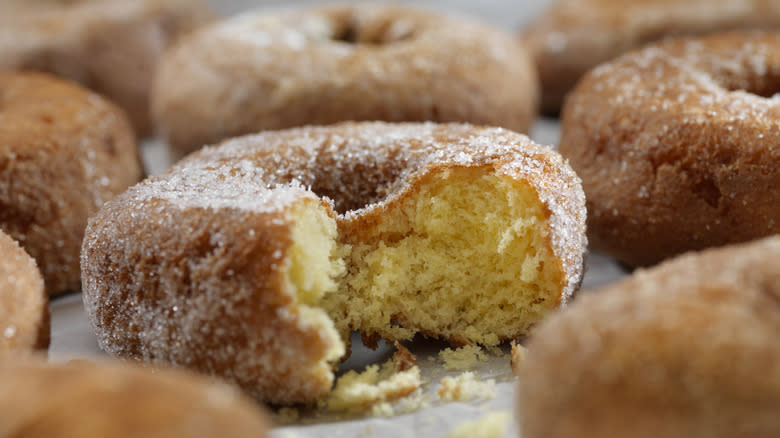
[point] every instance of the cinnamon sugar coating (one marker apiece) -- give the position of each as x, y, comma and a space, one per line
574, 36
190, 268
678, 146
24, 306
324, 65
79, 399
687, 348
109, 46
63, 152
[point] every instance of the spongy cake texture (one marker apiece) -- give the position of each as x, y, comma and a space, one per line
237, 267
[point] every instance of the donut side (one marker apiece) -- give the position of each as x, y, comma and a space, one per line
687, 348
322, 66
24, 305
676, 145
63, 152
108, 399
111, 47
574, 36
231, 293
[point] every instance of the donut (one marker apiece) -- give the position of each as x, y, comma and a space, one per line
254, 259
24, 305
79, 399
110, 46
677, 146
324, 65
574, 36
686, 348
63, 152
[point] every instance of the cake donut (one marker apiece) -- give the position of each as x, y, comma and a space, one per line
319, 66
254, 259
63, 152
24, 306
687, 348
574, 36
677, 146
80, 399
110, 46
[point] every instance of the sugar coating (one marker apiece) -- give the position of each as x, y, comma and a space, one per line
295, 158
233, 201
686, 129
573, 36
271, 70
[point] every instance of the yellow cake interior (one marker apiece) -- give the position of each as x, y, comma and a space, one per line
466, 258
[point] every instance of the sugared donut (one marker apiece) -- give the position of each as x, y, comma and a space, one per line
24, 306
574, 36
678, 146
330, 64
252, 260
688, 348
110, 46
82, 399
63, 152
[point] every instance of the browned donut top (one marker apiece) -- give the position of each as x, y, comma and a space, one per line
80, 399
682, 129
337, 63
64, 151
110, 46
574, 36
24, 307
363, 166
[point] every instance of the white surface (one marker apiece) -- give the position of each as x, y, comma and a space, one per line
72, 336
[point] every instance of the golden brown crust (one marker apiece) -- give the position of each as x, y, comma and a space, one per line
677, 147
109, 399
111, 47
63, 152
325, 65
574, 36
688, 348
198, 279
24, 305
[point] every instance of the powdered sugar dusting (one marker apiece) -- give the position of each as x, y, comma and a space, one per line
232, 200
675, 142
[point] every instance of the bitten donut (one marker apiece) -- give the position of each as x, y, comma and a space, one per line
688, 348
325, 65
678, 146
63, 152
81, 399
24, 306
252, 260
574, 36
110, 46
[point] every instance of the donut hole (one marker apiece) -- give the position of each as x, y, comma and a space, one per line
470, 261
353, 30
764, 85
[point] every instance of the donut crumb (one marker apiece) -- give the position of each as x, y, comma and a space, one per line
466, 386
492, 425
